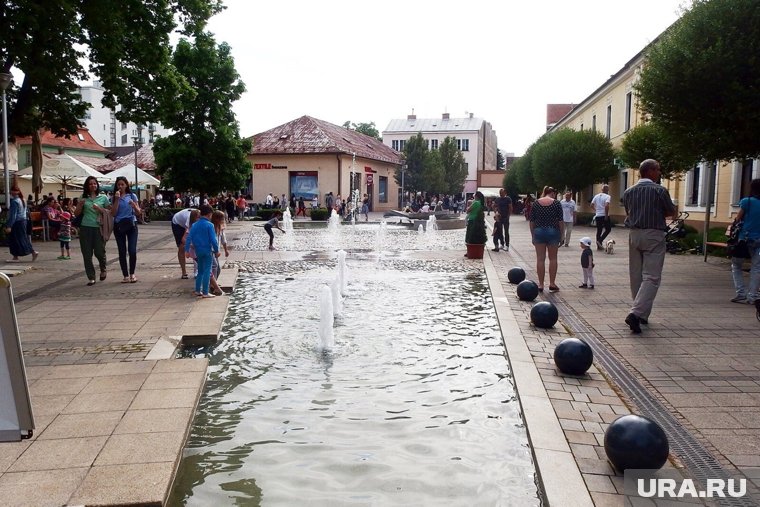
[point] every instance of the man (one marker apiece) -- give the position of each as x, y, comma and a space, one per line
601, 204
270, 200
647, 203
180, 226
568, 216
504, 204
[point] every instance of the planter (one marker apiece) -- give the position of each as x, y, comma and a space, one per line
475, 250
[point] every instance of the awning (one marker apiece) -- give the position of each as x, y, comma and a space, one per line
489, 191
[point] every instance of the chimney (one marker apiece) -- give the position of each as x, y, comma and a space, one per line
411, 117
445, 116
471, 115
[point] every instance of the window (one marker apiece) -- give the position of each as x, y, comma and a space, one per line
123, 126
394, 144
743, 171
628, 105
80, 137
382, 195
402, 145
609, 121
581, 127
434, 144
427, 143
465, 145
697, 181
593, 123
27, 158
304, 184
124, 140
624, 183
693, 178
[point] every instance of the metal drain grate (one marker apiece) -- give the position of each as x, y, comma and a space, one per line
700, 463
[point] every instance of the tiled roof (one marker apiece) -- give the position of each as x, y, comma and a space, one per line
310, 135
415, 125
145, 160
47, 138
555, 112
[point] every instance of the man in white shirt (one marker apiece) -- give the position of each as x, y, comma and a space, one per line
568, 216
180, 226
270, 200
601, 204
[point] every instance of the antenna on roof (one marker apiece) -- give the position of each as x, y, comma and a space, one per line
412, 110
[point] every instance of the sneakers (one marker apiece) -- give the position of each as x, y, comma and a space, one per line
494, 249
591, 287
634, 323
739, 299
61, 257
505, 248
583, 286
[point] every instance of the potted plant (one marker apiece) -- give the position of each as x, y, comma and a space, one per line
475, 238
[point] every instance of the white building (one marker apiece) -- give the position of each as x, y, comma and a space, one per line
475, 138
106, 129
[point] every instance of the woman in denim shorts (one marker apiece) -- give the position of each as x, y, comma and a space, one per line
546, 228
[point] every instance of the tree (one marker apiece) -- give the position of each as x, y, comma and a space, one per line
415, 155
500, 162
205, 152
573, 159
433, 174
701, 80
510, 181
124, 43
368, 129
454, 170
647, 141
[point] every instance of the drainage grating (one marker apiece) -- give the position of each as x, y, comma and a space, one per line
701, 464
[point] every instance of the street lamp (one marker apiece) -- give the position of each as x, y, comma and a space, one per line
5, 82
403, 168
138, 143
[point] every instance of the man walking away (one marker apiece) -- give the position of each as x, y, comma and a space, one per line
601, 204
647, 204
504, 206
568, 216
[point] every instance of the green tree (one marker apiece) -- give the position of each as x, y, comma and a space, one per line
205, 152
510, 181
647, 141
368, 129
454, 170
433, 173
415, 155
573, 159
500, 162
124, 43
701, 81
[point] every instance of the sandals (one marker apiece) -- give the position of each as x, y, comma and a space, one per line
132, 279
207, 296
125, 280
553, 288
184, 277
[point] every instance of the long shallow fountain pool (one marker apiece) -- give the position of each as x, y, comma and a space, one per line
414, 405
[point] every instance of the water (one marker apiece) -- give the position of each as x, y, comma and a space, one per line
414, 404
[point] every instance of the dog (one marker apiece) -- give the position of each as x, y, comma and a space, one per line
609, 246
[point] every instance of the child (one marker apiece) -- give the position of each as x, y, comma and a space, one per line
498, 236
273, 222
219, 220
587, 263
64, 235
203, 239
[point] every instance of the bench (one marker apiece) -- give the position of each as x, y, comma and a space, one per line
716, 244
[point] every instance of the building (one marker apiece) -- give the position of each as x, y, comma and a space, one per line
308, 157
109, 131
555, 112
475, 138
613, 109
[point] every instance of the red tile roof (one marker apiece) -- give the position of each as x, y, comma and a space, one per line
310, 135
47, 138
555, 112
145, 160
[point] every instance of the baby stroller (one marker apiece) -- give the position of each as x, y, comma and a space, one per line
675, 231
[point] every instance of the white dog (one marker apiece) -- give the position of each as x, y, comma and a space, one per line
609, 246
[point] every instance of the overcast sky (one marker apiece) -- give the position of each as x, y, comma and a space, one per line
374, 61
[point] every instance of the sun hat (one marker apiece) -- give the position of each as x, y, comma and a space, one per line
586, 241
66, 215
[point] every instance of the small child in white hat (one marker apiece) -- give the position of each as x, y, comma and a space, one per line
587, 263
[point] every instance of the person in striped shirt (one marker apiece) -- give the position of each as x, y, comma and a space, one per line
647, 204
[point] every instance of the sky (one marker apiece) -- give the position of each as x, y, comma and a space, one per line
363, 62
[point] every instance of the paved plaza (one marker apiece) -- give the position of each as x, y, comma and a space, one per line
113, 409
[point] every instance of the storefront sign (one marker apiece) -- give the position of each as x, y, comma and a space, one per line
262, 166
369, 179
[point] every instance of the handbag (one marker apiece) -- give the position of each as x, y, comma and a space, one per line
735, 245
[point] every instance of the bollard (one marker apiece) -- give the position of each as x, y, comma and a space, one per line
16, 419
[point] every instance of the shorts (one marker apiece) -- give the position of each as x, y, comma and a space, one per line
179, 233
546, 236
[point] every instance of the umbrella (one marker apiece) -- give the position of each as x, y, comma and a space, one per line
128, 171
62, 169
37, 182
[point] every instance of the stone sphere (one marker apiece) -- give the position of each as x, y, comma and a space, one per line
527, 290
573, 356
544, 314
633, 441
516, 275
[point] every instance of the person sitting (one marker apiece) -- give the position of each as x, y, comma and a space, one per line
425, 208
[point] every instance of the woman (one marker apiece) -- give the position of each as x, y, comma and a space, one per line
91, 241
749, 212
125, 211
546, 227
52, 211
365, 207
15, 227
476, 220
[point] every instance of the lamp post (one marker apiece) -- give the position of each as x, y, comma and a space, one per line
5, 81
403, 168
138, 143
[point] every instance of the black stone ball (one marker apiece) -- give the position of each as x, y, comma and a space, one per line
544, 314
573, 356
527, 290
516, 275
633, 441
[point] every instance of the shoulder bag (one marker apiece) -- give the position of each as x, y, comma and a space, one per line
736, 246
